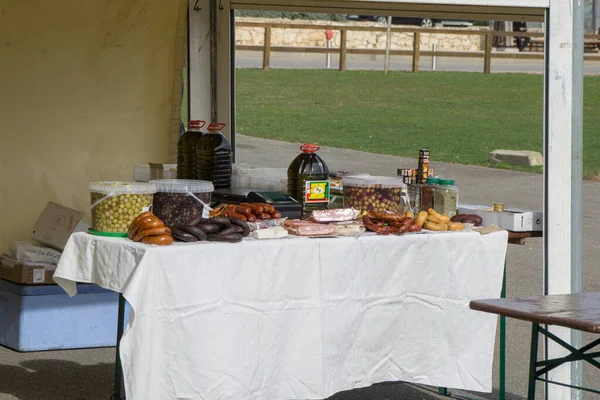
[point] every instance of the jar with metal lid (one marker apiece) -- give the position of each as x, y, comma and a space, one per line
428, 193
446, 198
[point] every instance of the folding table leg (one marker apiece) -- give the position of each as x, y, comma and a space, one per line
533, 361
502, 389
118, 368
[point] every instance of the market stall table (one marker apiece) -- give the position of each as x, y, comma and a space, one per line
575, 311
298, 318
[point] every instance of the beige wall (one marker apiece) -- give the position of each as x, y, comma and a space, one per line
85, 93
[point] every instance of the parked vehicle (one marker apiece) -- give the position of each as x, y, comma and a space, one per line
422, 22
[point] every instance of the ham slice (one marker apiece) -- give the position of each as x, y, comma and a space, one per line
306, 228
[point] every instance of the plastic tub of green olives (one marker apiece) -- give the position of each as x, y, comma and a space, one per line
116, 204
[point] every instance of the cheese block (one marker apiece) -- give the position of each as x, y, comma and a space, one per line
274, 232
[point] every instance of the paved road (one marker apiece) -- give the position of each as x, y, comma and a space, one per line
88, 374
253, 59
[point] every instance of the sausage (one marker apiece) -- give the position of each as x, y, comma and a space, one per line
409, 214
455, 226
231, 238
143, 215
209, 228
276, 215
231, 229
135, 228
255, 208
197, 220
400, 230
434, 227
243, 210
231, 213
382, 216
468, 218
443, 217
242, 224
264, 216
197, 231
163, 230
161, 240
269, 209
182, 235
435, 219
421, 218
414, 228
406, 222
224, 222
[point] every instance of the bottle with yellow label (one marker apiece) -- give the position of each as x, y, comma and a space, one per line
308, 180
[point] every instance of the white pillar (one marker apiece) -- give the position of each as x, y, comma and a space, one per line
224, 65
563, 171
199, 59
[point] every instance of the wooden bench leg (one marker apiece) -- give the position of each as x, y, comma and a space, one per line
533, 360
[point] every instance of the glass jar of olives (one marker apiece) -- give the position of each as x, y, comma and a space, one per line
374, 193
115, 205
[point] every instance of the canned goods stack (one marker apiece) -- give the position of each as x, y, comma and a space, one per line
423, 170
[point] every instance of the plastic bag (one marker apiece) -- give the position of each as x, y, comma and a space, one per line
27, 252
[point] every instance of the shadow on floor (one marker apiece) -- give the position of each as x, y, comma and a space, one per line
408, 391
67, 380
57, 380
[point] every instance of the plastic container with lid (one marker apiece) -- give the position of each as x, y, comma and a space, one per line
115, 205
428, 193
308, 180
178, 201
446, 198
374, 193
215, 157
187, 150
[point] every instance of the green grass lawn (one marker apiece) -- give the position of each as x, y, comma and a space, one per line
460, 117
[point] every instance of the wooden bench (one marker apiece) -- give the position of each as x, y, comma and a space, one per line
575, 311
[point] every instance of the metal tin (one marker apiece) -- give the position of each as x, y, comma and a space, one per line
423, 170
498, 207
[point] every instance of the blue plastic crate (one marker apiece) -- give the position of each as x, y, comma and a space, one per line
44, 317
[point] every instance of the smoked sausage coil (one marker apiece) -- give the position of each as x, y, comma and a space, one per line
152, 232
160, 240
146, 223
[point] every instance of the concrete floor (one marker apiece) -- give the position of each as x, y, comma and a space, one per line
88, 374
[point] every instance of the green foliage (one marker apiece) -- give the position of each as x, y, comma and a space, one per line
291, 15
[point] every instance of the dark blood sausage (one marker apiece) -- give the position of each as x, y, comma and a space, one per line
182, 235
227, 231
241, 224
197, 220
231, 238
196, 231
209, 228
223, 222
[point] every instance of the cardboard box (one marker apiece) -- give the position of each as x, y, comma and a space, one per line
512, 219
26, 274
153, 171
56, 224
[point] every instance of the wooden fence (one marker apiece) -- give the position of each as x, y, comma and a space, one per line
590, 42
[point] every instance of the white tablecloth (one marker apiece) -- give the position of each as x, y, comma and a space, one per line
297, 318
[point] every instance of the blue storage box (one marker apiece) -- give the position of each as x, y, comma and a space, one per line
44, 317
